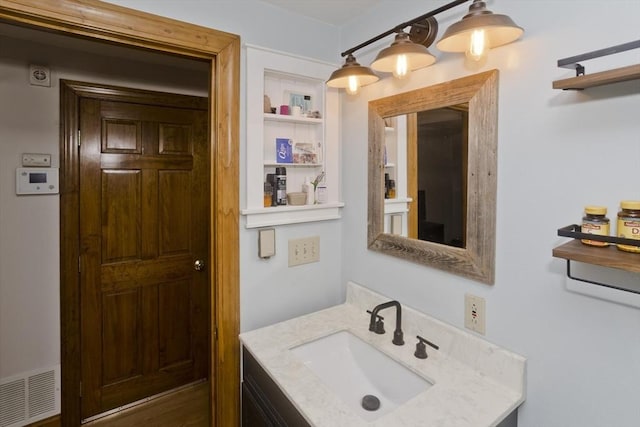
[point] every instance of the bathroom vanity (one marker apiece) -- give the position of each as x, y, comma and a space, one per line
263, 403
328, 369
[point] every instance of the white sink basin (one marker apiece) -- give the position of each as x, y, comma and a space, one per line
352, 369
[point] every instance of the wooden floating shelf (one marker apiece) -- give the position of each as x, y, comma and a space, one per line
609, 256
631, 72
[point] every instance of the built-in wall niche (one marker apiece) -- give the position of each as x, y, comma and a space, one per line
304, 129
287, 100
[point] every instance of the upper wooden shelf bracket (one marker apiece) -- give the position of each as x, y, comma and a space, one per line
583, 81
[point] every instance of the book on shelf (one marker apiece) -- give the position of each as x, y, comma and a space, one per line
284, 150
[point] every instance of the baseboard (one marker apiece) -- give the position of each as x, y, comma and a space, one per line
48, 422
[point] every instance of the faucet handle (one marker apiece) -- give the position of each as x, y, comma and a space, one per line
377, 315
376, 326
421, 348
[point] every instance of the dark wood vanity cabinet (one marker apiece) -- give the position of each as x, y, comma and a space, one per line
263, 403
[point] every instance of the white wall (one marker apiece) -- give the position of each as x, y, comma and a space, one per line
256, 22
558, 151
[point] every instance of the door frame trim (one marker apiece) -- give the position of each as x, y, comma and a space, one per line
107, 22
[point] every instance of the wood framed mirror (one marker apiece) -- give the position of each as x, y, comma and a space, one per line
473, 254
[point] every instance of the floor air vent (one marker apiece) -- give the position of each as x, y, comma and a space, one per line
29, 397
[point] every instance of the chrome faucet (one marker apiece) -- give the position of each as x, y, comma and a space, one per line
375, 324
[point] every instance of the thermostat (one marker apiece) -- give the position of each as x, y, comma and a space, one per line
37, 181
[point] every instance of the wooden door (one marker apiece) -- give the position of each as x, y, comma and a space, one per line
144, 215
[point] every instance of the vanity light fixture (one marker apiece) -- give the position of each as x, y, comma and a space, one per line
351, 76
402, 57
478, 31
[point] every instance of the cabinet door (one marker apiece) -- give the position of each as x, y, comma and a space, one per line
274, 407
252, 413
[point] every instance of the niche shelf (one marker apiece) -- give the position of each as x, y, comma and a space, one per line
280, 76
584, 81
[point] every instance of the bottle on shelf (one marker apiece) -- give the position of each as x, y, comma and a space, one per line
281, 186
629, 224
321, 193
595, 222
308, 188
391, 192
386, 185
268, 195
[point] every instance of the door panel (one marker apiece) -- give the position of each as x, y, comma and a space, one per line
144, 192
174, 324
174, 139
121, 211
121, 136
174, 212
122, 352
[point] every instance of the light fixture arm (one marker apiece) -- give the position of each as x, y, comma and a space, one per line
477, 32
402, 26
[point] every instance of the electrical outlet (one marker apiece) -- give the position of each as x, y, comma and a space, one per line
474, 313
304, 251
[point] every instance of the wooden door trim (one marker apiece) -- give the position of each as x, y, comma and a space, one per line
412, 174
106, 22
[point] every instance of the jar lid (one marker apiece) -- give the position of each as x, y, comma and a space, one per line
596, 210
281, 170
630, 204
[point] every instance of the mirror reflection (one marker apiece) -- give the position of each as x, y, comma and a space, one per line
440, 144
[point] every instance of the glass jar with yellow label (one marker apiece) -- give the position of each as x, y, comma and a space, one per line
629, 224
595, 222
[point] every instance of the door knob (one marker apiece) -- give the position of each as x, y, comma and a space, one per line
198, 265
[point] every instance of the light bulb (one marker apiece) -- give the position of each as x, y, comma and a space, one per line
353, 86
402, 67
478, 45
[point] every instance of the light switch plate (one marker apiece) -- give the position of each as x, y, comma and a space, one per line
304, 251
267, 243
36, 159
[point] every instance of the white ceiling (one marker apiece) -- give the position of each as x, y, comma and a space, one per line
335, 12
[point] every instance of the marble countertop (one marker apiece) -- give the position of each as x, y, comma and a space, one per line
475, 383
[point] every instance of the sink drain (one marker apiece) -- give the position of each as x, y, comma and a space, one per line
370, 402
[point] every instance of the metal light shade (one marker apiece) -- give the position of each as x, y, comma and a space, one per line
417, 55
499, 29
340, 78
